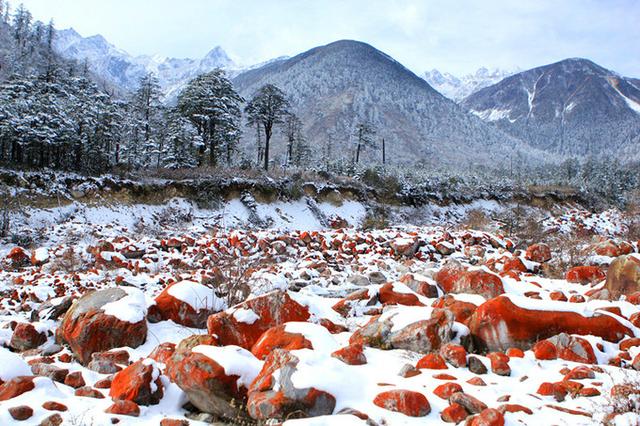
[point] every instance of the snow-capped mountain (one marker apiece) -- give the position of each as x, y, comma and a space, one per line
124, 70
333, 87
572, 107
458, 88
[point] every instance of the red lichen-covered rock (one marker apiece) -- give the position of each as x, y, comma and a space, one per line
409, 403
124, 407
88, 392
87, 328
16, 387
454, 413
163, 352
362, 296
18, 257
188, 303
422, 336
471, 404
612, 248
538, 253
455, 355
499, 363
54, 406
174, 422
513, 264
514, 408
206, 383
21, 412
545, 350
461, 310
277, 337
432, 362
52, 420
445, 390
51, 371
585, 275
499, 324
564, 346
140, 382
488, 417
25, 337
389, 296
351, 354
420, 285
623, 277
453, 278
245, 323
273, 396
75, 380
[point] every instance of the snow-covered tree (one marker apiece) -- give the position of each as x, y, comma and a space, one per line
212, 105
269, 107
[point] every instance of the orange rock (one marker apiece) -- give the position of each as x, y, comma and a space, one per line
454, 413
277, 337
499, 324
124, 408
272, 309
409, 403
432, 361
453, 278
538, 253
16, 387
351, 354
388, 296
585, 275
445, 390
140, 382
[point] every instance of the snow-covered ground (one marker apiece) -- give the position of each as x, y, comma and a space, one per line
143, 249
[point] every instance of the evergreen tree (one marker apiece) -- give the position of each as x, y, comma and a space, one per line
269, 108
212, 105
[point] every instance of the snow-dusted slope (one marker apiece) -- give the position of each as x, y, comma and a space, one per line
573, 107
458, 88
333, 87
119, 67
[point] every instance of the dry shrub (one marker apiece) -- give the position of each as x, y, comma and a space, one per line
625, 399
70, 261
569, 250
477, 219
233, 279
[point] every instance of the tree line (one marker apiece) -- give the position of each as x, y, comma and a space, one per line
54, 114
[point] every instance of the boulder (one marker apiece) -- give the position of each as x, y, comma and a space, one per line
25, 337
623, 276
188, 303
206, 382
409, 403
16, 387
273, 396
585, 275
277, 337
454, 278
351, 354
103, 320
564, 346
245, 323
499, 324
538, 253
140, 382
612, 248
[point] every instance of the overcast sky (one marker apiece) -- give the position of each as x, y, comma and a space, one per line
454, 36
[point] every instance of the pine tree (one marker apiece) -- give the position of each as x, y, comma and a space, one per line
268, 107
147, 108
364, 137
212, 105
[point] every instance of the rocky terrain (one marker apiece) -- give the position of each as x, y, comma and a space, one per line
102, 324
